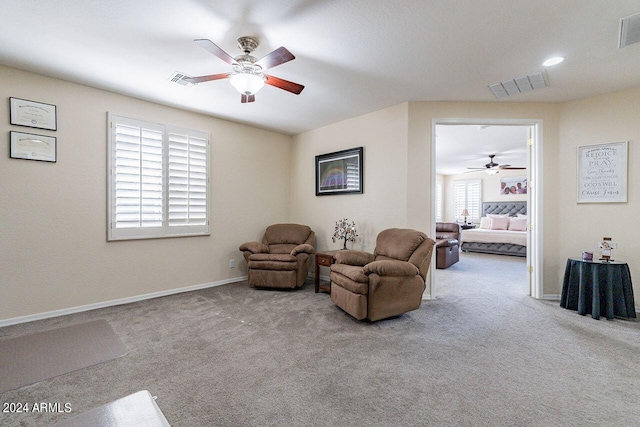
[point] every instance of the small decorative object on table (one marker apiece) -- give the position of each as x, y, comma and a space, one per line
606, 245
587, 256
345, 231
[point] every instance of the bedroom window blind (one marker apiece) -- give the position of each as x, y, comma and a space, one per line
439, 201
467, 195
158, 182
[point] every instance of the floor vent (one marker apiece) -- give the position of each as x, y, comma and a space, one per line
629, 30
179, 78
519, 85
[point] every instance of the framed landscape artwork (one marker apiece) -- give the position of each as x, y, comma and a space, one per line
339, 172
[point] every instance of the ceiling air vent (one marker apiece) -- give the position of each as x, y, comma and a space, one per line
629, 30
179, 78
519, 85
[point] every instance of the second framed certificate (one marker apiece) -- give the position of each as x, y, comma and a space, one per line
33, 147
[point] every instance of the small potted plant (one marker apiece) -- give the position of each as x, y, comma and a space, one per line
345, 231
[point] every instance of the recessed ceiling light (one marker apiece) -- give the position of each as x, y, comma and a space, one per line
553, 61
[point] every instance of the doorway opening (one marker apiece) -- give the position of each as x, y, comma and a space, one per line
517, 161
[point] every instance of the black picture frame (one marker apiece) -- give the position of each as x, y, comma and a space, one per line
33, 114
340, 172
29, 146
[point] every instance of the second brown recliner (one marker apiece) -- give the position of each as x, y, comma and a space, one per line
387, 283
447, 244
282, 259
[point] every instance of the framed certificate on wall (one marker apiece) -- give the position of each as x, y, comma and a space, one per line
33, 114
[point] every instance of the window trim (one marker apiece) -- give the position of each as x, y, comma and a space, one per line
165, 230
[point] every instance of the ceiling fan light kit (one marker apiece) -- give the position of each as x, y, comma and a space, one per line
247, 76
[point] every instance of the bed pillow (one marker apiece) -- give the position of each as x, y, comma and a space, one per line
522, 216
485, 222
500, 223
518, 224
498, 215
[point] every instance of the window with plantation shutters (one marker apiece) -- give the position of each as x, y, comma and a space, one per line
158, 180
467, 195
439, 201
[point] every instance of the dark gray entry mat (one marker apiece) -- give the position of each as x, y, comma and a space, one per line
36, 357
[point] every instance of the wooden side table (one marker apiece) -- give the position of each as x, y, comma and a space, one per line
323, 259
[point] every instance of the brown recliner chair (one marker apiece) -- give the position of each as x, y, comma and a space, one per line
447, 244
282, 259
388, 282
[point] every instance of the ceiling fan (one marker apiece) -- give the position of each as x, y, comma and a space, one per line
248, 75
493, 167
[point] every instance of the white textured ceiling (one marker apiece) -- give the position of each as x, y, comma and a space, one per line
353, 56
459, 147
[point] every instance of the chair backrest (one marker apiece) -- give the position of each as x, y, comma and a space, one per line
282, 238
405, 245
447, 230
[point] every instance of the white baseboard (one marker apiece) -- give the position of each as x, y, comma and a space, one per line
426, 297
551, 297
81, 308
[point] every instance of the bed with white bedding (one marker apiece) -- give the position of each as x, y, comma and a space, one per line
501, 242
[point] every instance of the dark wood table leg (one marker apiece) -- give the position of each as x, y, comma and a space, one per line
317, 277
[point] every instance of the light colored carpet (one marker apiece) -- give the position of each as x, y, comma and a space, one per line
482, 354
35, 357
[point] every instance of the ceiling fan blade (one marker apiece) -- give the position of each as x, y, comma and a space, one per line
275, 58
208, 78
247, 98
480, 169
213, 48
284, 84
511, 168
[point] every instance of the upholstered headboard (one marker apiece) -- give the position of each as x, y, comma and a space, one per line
501, 208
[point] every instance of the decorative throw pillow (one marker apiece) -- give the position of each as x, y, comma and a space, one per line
499, 223
518, 224
485, 222
498, 215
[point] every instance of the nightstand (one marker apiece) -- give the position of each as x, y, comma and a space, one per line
467, 226
323, 259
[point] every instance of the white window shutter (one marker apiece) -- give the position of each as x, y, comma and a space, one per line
188, 152
158, 180
138, 176
467, 195
439, 202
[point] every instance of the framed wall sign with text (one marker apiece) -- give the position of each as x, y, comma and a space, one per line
602, 173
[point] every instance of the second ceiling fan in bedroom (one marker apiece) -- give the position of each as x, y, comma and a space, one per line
493, 168
248, 75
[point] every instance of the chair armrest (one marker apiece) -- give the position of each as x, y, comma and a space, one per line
303, 248
391, 268
254, 247
352, 257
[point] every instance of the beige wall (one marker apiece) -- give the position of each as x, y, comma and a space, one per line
53, 248
383, 135
607, 118
490, 189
